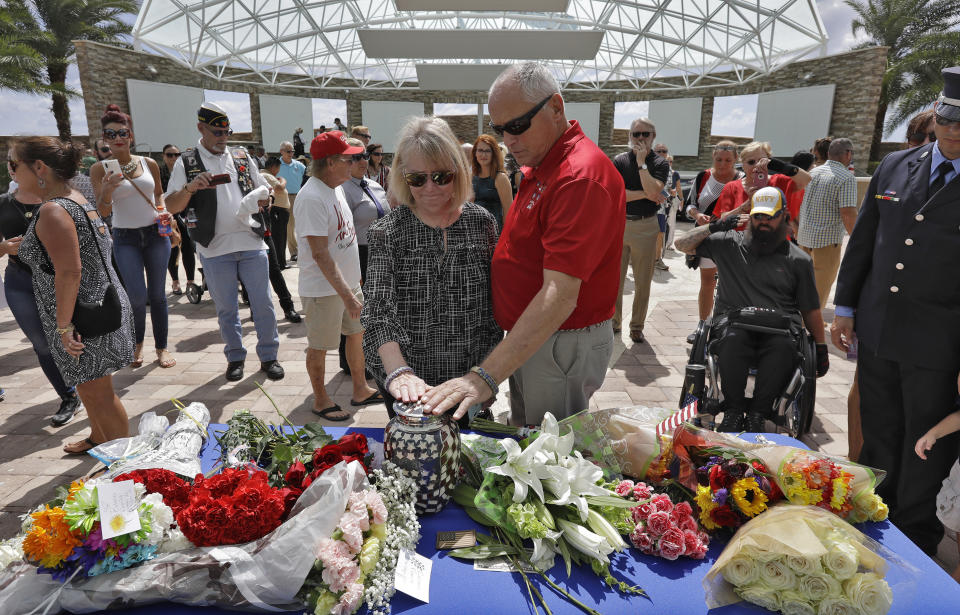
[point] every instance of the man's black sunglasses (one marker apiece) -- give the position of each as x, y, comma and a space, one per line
642, 134
359, 157
918, 137
519, 125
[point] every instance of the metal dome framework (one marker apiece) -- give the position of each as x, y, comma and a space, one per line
647, 45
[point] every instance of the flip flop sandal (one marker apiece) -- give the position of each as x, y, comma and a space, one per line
327, 412
86, 443
376, 398
169, 362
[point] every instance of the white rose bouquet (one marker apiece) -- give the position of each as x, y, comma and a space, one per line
803, 560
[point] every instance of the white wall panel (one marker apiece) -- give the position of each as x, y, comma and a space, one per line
385, 119
678, 124
280, 116
791, 120
588, 114
163, 113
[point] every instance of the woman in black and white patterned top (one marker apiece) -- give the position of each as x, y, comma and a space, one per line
428, 312
67, 247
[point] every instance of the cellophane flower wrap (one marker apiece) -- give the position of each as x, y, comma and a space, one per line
803, 476
262, 575
803, 560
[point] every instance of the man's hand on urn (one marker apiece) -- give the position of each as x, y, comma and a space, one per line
842, 335
459, 393
408, 387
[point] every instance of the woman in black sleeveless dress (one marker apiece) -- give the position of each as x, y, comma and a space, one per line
66, 246
491, 186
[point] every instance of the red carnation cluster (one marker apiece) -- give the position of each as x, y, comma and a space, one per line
663, 528
232, 507
174, 490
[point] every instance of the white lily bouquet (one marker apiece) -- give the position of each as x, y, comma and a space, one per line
803, 560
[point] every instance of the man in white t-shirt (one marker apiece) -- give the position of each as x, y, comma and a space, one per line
330, 276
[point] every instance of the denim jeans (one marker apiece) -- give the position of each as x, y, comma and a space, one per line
139, 249
222, 274
18, 286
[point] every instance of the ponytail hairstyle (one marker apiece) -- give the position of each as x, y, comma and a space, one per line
63, 157
113, 115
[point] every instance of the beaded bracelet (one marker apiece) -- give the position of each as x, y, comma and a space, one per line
393, 375
486, 378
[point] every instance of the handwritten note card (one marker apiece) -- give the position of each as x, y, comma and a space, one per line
413, 575
118, 508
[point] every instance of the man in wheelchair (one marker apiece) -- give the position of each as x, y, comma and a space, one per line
766, 285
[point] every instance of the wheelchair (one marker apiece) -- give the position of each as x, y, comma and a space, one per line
792, 410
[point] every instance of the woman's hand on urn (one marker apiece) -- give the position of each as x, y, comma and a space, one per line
72, 344
459, 393
10, 246
408, 388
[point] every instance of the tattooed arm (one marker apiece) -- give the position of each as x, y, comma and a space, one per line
688, 242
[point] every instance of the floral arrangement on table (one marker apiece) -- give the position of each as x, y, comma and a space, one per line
656, 526
732, 489
64, 538
359, 560
803, 560
706, 461
547, 493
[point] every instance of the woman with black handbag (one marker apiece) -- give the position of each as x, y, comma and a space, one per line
85, 313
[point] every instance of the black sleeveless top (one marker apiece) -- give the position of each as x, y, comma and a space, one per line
15, 217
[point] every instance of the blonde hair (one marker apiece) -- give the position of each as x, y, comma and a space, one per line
431, 138
755, 145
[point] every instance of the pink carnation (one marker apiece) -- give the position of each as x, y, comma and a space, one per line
641, 540
625, 488
342, 574
691, 542
640, 513
683, 509
642, 491
659, 522
377, 508
349, 601
357, 509
662, 502
352, 535
687, 523
671, 544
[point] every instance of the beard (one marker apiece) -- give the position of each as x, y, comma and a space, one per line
765, 241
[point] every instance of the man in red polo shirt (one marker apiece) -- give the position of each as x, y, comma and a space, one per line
556, 268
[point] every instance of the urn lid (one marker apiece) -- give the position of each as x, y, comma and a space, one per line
413, 414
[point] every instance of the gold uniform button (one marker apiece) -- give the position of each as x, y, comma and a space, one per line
918, 217
894, 289
908, 241
899, 265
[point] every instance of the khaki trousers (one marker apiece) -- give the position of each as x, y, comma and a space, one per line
291, 229
640, 252
562, 375
826, 264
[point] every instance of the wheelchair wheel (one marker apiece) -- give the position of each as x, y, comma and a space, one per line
800, 412
193, 293
698, 356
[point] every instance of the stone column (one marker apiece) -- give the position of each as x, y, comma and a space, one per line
607, 108
255, 126
354, 111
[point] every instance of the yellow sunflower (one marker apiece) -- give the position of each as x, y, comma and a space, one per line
748, 497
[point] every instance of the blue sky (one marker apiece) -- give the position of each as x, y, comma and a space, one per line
25, 114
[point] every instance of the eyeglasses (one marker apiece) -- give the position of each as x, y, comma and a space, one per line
104, 150
172, 154
725, 148
111, 134
221, 133
519, 125
942, 121
440, 178
359, 157
661, 151
765, 217
642, 134
483, 151
286, 151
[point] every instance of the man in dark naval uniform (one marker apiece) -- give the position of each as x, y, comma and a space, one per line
899, 290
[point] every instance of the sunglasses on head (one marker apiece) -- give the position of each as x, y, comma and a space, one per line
725, 148
642, 134
111, 134
942, 121
440, 178
519, 125
359, 157
172, 154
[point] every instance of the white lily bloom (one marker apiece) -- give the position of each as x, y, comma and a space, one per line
545, 550
601, 526
561, 446
583, 540
573, 479
526, 467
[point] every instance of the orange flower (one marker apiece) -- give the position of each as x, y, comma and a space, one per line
50, 540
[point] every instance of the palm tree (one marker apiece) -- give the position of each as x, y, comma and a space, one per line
919, 80
904, 27
49, 27
20, 65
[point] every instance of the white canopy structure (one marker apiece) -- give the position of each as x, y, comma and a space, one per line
406, 44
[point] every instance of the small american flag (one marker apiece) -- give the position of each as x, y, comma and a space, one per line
683, 414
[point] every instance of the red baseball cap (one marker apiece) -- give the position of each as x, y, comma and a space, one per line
330, 143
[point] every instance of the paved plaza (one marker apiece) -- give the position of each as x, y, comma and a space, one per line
32, 463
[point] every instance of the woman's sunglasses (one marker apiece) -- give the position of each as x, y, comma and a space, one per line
440, 178
519, 125
359, 157
172, 154
377, 154
112, 134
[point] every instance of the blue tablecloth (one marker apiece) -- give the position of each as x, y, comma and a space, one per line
675, 588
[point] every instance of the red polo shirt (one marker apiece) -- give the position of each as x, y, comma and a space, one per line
568, 216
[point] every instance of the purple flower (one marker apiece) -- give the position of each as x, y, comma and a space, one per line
720, 497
